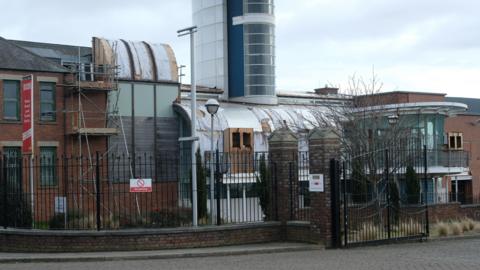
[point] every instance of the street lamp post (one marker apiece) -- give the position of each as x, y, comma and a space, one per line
212, 106
193, 99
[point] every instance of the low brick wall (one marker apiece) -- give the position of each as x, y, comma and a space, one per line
301, 231
452, 211
73, 241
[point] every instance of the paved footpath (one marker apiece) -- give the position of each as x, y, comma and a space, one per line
454, 254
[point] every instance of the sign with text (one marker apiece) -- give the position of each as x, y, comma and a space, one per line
316, 183
27, 114
141, 185
60, 205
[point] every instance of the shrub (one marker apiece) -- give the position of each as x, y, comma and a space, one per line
410, 227
477, 227
412, 186
170, 217
263, 188
456, 228
465, 224
19, 214
441, 228
57, 221
368, 232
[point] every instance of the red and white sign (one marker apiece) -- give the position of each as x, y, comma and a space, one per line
316, 183
140, 185
27, 114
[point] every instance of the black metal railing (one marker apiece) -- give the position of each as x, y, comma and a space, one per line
381, 194
95, 192
299, 194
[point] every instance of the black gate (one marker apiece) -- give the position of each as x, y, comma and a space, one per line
379, 196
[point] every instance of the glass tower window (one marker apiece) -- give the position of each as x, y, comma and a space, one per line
259, 6
259, 58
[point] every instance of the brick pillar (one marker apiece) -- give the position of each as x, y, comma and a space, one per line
283, 149
324, 144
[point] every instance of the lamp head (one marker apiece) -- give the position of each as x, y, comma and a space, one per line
212, 106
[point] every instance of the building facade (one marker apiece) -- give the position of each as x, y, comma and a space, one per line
235, 48
462, 133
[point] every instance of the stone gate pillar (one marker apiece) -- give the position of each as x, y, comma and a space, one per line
283, 150
324, 145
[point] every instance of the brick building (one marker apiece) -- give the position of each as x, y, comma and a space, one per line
448, 127
463, 134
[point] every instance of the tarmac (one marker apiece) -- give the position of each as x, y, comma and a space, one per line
6, 257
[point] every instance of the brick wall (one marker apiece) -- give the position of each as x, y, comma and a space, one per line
69, 241
453, 211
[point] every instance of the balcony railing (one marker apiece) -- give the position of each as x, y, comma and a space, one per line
448, 158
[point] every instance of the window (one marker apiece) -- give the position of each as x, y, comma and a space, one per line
11, 100
246, 140
455, 140
236, 139
47, 101
48, 160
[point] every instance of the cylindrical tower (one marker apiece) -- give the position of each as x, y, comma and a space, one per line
236, 48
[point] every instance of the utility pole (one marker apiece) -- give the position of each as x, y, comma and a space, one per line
193, 138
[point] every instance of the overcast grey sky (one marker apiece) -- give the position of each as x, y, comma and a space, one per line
419, 45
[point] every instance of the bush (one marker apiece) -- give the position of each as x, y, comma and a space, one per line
18, 212
412, 186
456, 228
442, 228
263, 188
369, 232
57, 222
170, 217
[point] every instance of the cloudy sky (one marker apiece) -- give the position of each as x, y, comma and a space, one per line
417, 45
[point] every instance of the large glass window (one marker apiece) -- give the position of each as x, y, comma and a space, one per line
259, 58
259, 6
48, 161
11, 100
47, 101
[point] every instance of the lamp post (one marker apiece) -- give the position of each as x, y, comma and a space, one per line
193, 97
212, 106
393, 119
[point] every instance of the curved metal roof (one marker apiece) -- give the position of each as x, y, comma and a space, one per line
137, 60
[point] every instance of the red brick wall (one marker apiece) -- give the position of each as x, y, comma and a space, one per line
398, 97
467, 124
65, 241
44, 131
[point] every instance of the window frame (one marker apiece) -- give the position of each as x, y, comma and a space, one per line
44, 174
457, 139
53, 116
18, 101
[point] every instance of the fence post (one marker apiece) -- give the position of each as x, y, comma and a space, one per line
3, 180
282, 146
335, 178
387, 171
345, 209
425, 175
290, 189
324, 144
217, 187
97, 185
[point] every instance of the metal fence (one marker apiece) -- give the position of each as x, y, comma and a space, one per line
87, 193
381, 195
300, 202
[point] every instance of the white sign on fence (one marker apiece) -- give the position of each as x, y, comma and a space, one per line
316, 183
141, 185
60, 205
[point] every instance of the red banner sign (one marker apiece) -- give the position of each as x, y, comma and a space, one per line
27, 114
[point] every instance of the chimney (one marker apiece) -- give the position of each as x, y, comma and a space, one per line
326, 91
